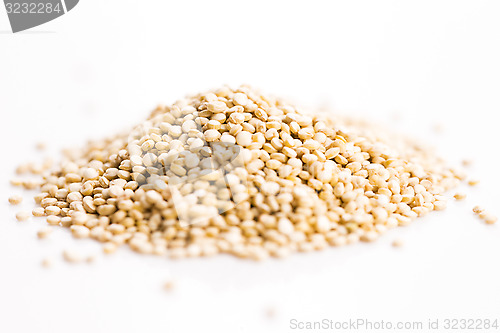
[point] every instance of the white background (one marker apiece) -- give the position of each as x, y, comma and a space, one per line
106, 64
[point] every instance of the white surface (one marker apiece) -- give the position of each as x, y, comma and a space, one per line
104, 65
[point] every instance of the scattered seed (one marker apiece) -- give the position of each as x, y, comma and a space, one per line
23, 216
270, 312
467, 162
438, 128
169, 286
16, 182
478, 209
73, 256
398, 242
47, 262
473, 182
91, 259
44, 233
15, 199
460, 196
41, 145
439, 204
488, 218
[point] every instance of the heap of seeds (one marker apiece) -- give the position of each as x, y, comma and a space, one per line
235, 171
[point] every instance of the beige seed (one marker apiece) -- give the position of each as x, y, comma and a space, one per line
41, 145
15, 199
66, 221
311, 144
48, 202
38, 211
240, 99
73, 177
213, 124
109, 248
90, 174
273, 164
153, 197
270, 312
189, 125
169, 286
175, 131
285, 226
212, 135
52, 210
73, 196
397, 242
80, 231
270, 188
79, 218
44, 233
467, 162
228, 138
216, 106
117, 228
73, 256
473, 182
115, 191
192, 161
47, 262
178, 170
439, 205
106, 210
22, 216
460, 196
149, 159
488, 218
323, 224
332, 152
369, 236
244, 138
53, 220
91, 259
478, 209
16, 182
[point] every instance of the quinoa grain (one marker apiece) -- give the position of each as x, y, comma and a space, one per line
44, 233
235, 171
487, 217
72, 256
15, 199
38, 211
22, 216
47, 262
397, 242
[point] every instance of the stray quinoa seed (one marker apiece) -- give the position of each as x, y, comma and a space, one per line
15, 199
239, 172
169, 286
398, 242
22, 216
47, 262
44, 233
484, 215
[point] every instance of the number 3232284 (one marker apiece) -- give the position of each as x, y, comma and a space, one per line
32, 8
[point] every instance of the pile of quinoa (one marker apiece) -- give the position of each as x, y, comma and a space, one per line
239, 172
